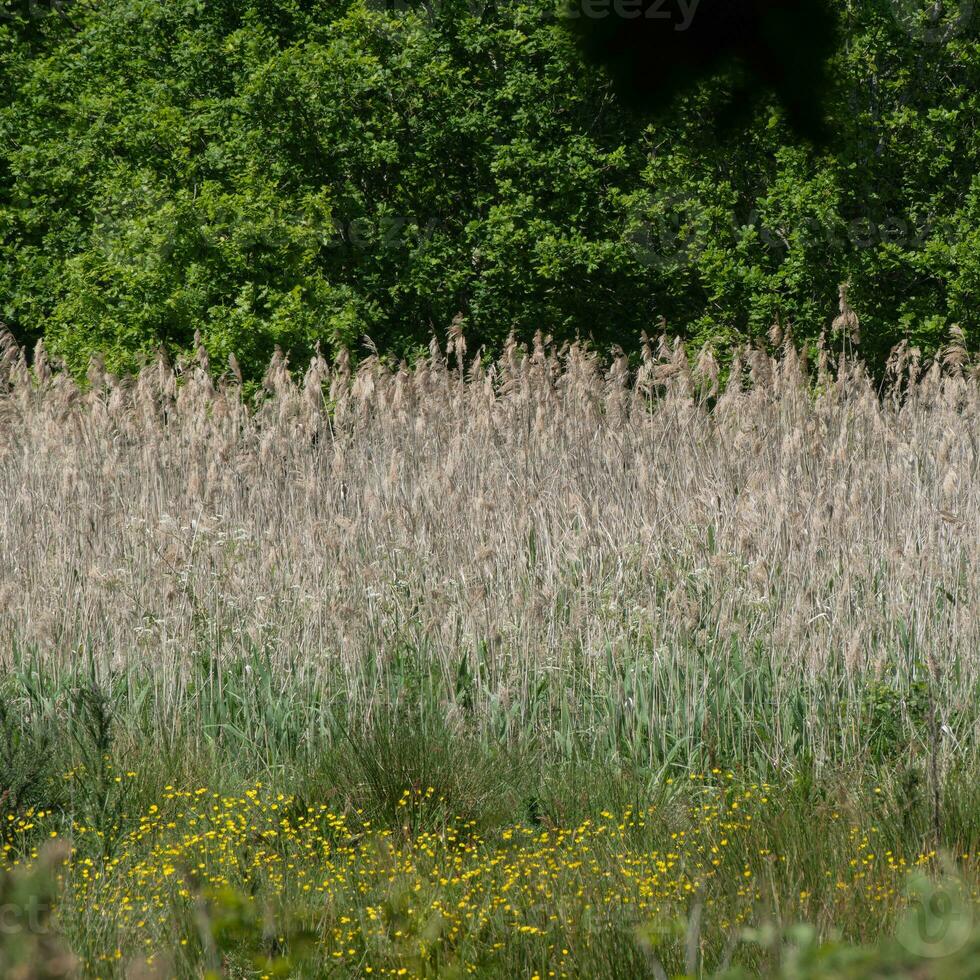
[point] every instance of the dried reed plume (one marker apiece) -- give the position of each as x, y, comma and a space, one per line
537, 514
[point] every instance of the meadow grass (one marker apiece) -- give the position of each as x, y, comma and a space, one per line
532, 667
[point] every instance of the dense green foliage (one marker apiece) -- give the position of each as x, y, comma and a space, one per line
287, 173
123, 766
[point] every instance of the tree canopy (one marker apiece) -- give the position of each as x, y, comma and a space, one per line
292, 173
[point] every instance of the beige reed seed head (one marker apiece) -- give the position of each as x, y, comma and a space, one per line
557, 503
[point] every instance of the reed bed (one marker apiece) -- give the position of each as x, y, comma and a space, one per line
559, 542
